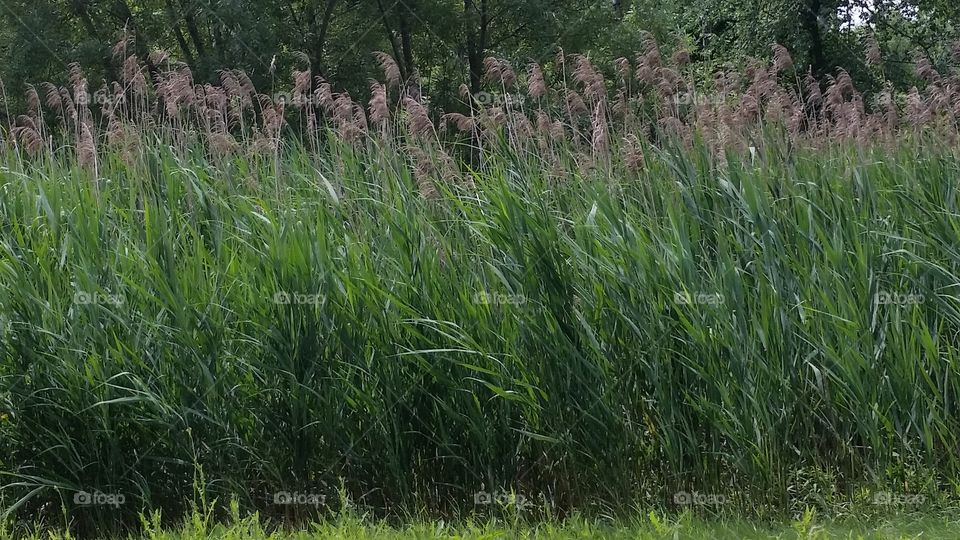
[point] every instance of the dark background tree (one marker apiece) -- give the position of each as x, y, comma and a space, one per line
445, 41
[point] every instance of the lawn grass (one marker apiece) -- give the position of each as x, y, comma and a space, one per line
651, 526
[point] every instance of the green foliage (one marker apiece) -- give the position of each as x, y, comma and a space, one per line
439, 39
445, 41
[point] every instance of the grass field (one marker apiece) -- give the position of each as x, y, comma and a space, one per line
650, 527
587, 327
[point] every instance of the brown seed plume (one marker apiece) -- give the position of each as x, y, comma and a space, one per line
324, 96
873, 54
575, 103
27, 134
600, 138
51, 96
389, 66
633, 153
536, 86
590, 78
301, 87
418, 121
158, 57
782, 61
86, 149
464, 123
379, 110
623, 69
925, 69
33, 99
680, 57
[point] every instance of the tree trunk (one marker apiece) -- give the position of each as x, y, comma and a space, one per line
810, 22
476, 20
178, 34
406, 40
391, 35
320, 41
125, 15
190, 16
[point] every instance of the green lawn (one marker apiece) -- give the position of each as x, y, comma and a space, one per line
650, 527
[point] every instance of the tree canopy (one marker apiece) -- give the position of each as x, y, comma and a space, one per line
444, 42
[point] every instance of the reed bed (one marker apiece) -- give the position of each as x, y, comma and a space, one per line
208, 294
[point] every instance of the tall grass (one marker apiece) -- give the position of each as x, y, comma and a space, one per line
195, 305
780, 329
